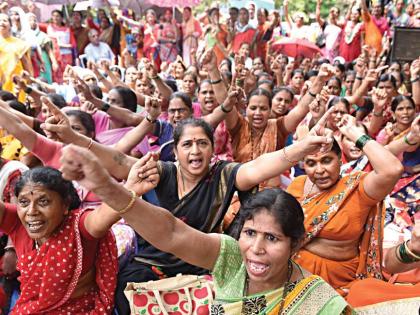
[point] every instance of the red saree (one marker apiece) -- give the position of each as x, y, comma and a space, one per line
49, 275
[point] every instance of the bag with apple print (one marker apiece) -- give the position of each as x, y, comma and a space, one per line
180, 295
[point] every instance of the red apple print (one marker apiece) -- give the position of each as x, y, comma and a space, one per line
201, 293
203, 310
154, 309
171, 298
140, 300
184, 306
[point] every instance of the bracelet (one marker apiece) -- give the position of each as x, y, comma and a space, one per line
130, 204
360, 143
222, 107
28, 90
216, 81
155, 77
312, 94
150, 120
359, 78
105, 107
411, 253
406, 258
378, 114
415, 80
408, 142
286, 158
90, 144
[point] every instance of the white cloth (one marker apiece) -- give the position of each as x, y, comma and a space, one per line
5, 172
100, 52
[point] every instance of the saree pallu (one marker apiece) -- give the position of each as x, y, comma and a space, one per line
372, 296
49, 276
311, 295
12, 50
321, 214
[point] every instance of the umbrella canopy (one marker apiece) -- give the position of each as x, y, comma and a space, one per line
296, 47
171, 3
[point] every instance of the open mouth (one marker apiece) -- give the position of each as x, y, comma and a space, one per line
35, 226
196, 163
257, 268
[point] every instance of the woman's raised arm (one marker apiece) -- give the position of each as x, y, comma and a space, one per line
272, 164
117, 163
387, 169
14, 125
156, 225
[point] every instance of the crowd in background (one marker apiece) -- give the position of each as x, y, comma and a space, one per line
298, 172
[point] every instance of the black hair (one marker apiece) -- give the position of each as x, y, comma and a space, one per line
192, 122
20, 107
116, 68
57, 99
59, 12
264, 76
201, 83
400, 74
259, 83
340, 67
85, 119
129, 98
261, 92
334, 78
286, 210
298, 70
312, 73
336, 148
234, 9
400, 98
228, 62
263, 10
227, 76
96, 91
7, 96
193, 75
387, 77
183, 97
172, 85
337, 99
349, 73
285, 89
50, 179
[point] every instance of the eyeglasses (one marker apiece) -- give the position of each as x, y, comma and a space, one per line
181, 111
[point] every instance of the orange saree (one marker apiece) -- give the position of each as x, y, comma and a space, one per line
342, 213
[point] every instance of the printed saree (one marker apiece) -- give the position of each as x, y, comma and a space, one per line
50, 276
342, 213
309, 295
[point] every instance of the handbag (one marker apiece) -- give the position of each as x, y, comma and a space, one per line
180, 295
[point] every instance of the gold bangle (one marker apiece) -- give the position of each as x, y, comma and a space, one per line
286, 158
417, 257
90, 144
130, 204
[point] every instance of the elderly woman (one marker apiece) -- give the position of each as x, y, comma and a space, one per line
343, 221
67, 257
258, 267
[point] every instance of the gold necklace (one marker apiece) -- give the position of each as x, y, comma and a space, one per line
307, 197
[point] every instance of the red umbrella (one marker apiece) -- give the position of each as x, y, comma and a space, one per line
296, 47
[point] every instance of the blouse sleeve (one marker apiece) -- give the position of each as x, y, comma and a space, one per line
229, 272
48, 151
10, 219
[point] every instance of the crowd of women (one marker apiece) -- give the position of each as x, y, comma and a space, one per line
197, 149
